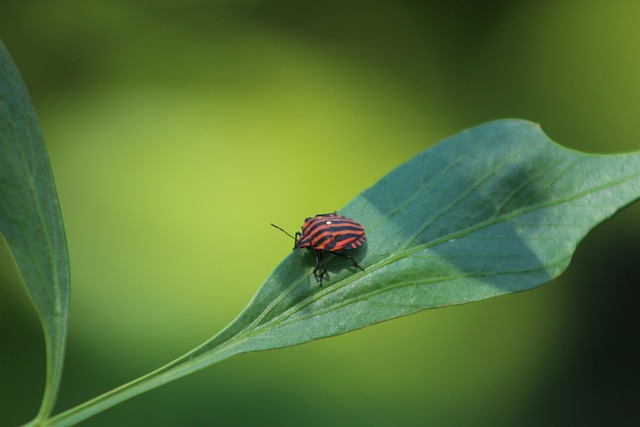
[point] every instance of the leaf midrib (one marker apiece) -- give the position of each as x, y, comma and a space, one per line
256, 328
288, 320
29, 174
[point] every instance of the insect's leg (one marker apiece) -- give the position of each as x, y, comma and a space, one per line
320, 265
295, 239
350, 258
315, 270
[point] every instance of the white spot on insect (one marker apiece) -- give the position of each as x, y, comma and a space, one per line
328, 222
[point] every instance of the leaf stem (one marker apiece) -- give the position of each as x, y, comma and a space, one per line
195, 360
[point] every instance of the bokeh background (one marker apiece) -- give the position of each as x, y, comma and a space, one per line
178, 130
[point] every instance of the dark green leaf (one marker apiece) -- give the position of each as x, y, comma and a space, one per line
491, 211
30, 219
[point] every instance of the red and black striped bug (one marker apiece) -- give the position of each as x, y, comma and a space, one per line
330, 233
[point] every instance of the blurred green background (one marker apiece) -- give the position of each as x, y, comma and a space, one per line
178, 130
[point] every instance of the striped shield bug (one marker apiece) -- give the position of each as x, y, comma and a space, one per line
331, 233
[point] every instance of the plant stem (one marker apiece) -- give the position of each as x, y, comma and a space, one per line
199, 358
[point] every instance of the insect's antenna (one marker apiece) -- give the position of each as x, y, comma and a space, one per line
283, 231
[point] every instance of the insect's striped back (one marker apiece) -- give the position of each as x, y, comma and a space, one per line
331, 232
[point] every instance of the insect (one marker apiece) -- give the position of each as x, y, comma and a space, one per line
328, 232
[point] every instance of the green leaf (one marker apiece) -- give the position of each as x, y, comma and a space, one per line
30, 219
493, 210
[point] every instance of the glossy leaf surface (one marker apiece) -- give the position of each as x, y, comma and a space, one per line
30, 219
493, 210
